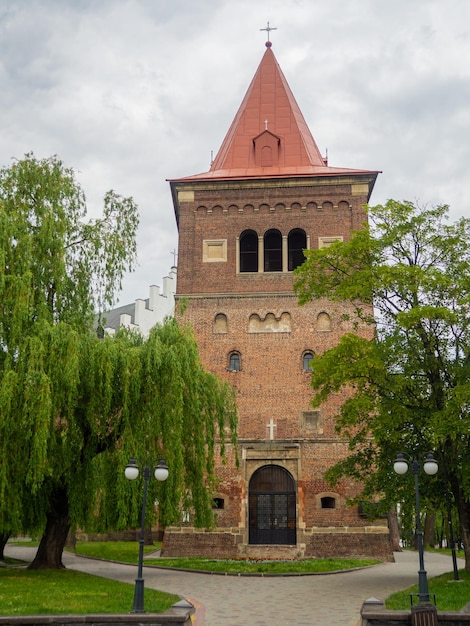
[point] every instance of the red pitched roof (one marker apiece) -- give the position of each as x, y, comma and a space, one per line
269, 136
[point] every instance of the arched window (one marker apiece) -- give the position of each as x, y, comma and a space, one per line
234, 364
296, 244
307, 361
272, 251
327, 502
248, 251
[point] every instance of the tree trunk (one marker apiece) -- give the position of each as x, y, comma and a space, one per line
394, 530
71, 540
3, 542
51, 547
148, 536
464, 516
429, 527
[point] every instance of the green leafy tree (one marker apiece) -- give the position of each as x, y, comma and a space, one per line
408, 388
74, 408
55, 271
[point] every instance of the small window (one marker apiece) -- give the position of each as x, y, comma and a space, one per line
327, 502
307, 361
218, 503
234, 362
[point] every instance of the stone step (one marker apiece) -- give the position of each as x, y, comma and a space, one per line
269, 551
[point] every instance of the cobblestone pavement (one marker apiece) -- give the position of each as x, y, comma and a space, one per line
320, 600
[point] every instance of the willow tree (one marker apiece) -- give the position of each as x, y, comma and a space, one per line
118, 398
56, 270
74, 408
409, 388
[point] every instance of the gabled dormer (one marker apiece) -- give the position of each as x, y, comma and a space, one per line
266, 147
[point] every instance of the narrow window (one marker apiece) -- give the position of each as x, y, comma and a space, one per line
296, 244
272, 251
307, 361
234, 362
249, 251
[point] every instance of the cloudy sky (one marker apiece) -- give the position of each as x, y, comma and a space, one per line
132, 92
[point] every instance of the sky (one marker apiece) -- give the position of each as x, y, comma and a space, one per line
131, 93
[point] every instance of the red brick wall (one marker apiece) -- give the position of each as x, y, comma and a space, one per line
347, 545
223, 545
272, 382
199, 544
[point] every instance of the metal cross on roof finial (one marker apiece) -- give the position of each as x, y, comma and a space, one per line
268, 29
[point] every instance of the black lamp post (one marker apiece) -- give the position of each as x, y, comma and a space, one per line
430, 467
131, 472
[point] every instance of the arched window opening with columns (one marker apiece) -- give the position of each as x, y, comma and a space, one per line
296, 244
248, 251
272, 251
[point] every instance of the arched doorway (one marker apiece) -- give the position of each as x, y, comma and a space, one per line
271, 509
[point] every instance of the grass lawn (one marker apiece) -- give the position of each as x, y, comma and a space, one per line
39, 592
122, 551
311, 566
127, 552
450, 595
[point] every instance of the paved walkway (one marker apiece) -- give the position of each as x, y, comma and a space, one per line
322, 600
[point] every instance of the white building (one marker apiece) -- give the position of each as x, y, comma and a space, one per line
142, 315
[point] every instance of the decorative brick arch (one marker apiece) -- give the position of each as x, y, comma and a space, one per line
220, 323
323, 322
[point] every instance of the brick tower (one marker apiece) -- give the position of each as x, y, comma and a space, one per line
243, 225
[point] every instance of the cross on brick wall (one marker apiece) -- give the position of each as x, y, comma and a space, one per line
271, 427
